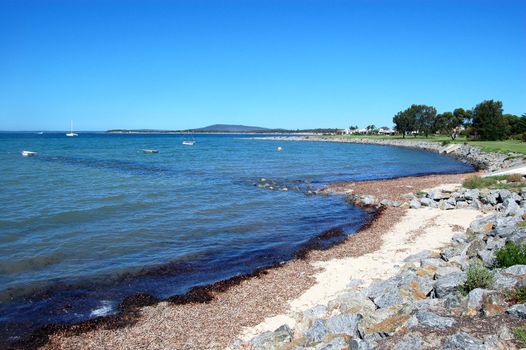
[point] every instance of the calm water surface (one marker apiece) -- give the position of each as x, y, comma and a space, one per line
93, 219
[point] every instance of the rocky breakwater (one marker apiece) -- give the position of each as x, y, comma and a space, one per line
468, 295
486, 200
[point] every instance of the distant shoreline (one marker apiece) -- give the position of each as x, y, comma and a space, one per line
208, 132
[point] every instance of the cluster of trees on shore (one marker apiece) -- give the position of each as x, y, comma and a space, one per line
485, 121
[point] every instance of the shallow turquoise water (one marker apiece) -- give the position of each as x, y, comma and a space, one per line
93, 219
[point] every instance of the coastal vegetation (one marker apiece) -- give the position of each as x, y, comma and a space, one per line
484, 122
511, 254
477, 277
512, 181
520, 334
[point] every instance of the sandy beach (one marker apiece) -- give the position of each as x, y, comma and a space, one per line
272, 297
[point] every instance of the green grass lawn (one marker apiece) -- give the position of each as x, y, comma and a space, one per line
486, 146
500, 146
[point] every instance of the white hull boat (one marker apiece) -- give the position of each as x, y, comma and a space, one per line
28, 154
188, 143
71, 133
150, 151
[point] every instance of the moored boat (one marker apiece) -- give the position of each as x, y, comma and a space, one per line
71, 133
28, 153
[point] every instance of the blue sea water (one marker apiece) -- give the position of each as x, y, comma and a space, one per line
92, 219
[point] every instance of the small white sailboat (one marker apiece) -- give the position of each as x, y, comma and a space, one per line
28, 153
189, 142
40, 133
71, 133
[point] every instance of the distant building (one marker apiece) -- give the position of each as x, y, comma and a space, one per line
386, 131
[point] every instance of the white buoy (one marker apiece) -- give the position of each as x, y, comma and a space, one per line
280, 148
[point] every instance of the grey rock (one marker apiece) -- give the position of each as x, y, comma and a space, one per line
504, 194
436, 194
475, 298
463, 341
430, 319
418, 256
409, 342
462, 204
492, 342
476, 204
413, 321
445, 205
352, 303
272, 340
359, 344
460, 261
431, 261
505, 333
367, 200
453, 301
482, 225
384, 202
459, 238
449, 283
494, 243
516, 270
488, 207
337, 343
472, 194
518, 310
443, 271
344, 324
448, 253
503, 281
506, 225
452, 201
487, 257
317, 331
317, 311
511, 208
376, 288
458, 196
474, 247
409, 196
518, 236
428, 202
415, 204
490, 198
389, 297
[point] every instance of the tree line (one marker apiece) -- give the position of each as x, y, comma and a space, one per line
485, 121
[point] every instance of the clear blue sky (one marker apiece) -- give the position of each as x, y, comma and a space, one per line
289, 64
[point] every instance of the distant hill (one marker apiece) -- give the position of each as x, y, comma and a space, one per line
229, 128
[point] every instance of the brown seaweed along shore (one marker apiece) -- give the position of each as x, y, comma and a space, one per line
228, 312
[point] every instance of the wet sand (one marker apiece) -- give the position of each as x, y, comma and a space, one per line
230, 311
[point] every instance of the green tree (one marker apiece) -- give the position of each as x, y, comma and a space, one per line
464, 115
517, 125
425, 118
448, 123
488, 121
404, 122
